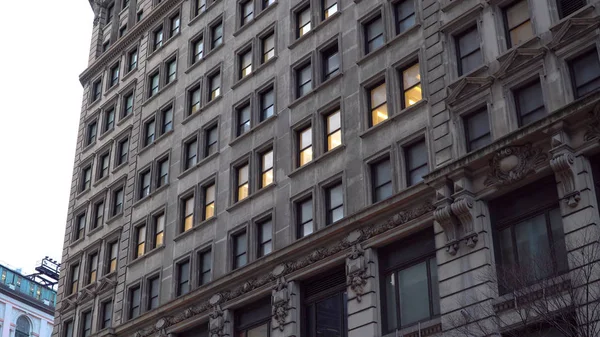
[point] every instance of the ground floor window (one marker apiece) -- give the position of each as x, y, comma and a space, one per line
325, 309
254, 320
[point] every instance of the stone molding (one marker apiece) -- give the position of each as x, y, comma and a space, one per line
443, 215
514, 163
467, 86
517, 60
357, 270
462, 207
571, 30
280, 299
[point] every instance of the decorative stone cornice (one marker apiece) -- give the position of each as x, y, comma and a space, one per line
563, 166
513, 163
97, 6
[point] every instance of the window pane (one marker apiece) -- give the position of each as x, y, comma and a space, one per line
379, 115
435, 288
336, 197
259, 331
468, 42
521, 33
306, 138
533, 247
378, 95
517, 14
329, 317
414, 294
417, 155
469, 63
586, 68
306, 210
558, 237
374, 28
411, 76
382, 172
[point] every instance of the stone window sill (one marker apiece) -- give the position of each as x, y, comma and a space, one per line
393, 117
316, 160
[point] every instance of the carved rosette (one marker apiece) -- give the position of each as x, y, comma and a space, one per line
280, 299
356, 271
513, 163
463, 209
443, 215
563, 166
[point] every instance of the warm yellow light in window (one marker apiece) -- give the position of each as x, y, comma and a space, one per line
379, 115
243, 191
140, 249
209, 210
332, 10
93, 276
74, 287
334, 140
413, 95
113, 265
306, 156
267, 178
305, 29
215, 93
159, 239
188, 222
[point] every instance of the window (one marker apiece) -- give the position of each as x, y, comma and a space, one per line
240, 250
205, 261
378, 103
80, 229
334, 130
405, 15
411, 85
254, 319
106, 312
265, 237
304, 217
74, 279
86, 324
132, 58
140, 241
303, 22
175, 25
110, 11
86, 177
267, 3
105, 46
209, 201
468, 51
149, 128
305, 153
410, 290
124, 4
477, 130
585, 73
128, 106
114, 75
215, 86
199, 7
198, 48
518, 23
303, 80
381, 177
183, 278
163, 172
243, 119
159, 230
123, 151
334, 203
266, 169
171, 71
158, 38
242, 182
416, 162
167, 120
268, 47
117, 201
247, 11
188, 213
144, 184
104, 165
153, 291
194, 98
324, 305
122, 31
92, 130
135, 299
113, 250
211, 141
267, 104
330, 7
331, 62
92, 268
216, 32
191, 153
154, 84
140, 15
374, 34
99, 215
96, 90
568, 7
22, 327
528, 234
529, 101
245, 60
68, 329
109, 119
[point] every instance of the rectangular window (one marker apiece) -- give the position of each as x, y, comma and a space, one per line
334, 130
135, 300
303, 80
416, 162
159, 231
374, 34
191, 153
97, 90
92, 268
144, 184
153, 292
194, 97
132, 58
118, 201
183, 278
198, 47
209, 201
122, 31
211, 141
105, 46
199, 6
99, 215
216, 33
188, 213
92, 130
245, 60
247, 12
324, 305
86, 324
158, 38
204, 270
305, 149
381, 177
74, 279
585, 73
106, 315
405, 15
110, 12
242, 182
109, 119
477, 130
330, 7
468, 51
80, 231
163, 172
123, 151
140, 241
113, 251
167, 120
240, 250
266, 169
128, 106
265, 237
215, 86
243, 119
149, 132
518, 23
104, 165
175, 25
334, 203
529, 101
303, 22
154, 84
304, 217
267, 104
411, 85
568, 7
114, 75
86, 176
378, 103
68, 329
254, 320
171, 71
268, 47
331, 62
140, 15
267, 3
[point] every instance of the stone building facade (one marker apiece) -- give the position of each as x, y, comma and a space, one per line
326, 168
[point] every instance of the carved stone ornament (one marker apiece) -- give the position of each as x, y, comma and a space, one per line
467, 87
593, 125
517, 60
514, 163
356, 270
216, 322
280, 302
563, 166
571, 30
443, 215
463, 209
97, 6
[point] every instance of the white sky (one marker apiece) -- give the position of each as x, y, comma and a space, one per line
44, 48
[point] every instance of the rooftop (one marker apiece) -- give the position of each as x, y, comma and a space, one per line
25, 289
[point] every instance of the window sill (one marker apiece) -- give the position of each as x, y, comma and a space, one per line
100, 180
95, 230
315, 29
258, 69
548, 286
213, 51
251, 197
164, 45
82, 193
187, 119
330, 80
113, 218
160, 91
372, 54
211, 103
197, 17
117, 168
393, 117
300, 39
301, 99
105, 133
90, 286
89, 146
146, 255
185, 234
76, 242
123, 119
253, 130
314, 90
240, 29
155, 141
194, 65
320, 158
472, 73
129, 73
91, 104
404, 34
152, 193
198, 164
111, 89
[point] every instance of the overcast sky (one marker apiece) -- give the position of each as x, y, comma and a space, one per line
45, 47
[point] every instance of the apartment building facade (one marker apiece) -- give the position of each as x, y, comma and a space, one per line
326, 167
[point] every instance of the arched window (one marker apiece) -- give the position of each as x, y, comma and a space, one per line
23, 327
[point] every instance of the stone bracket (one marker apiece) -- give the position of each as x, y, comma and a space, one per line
462, 208
357, 270
563, 165
443, 215
280, 300
219, 322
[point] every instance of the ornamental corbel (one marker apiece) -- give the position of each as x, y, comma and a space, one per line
216, 321
356, 270
462, 208
443, 215
563, 165
280, 301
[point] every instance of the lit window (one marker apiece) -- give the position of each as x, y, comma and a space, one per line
330, 7
74, 279
266, 169
334, 130
188, 213
268, 47
304, 216
518, 23
303, 19
209, 201
245, 64
305, 146
140, 244
378, 104
112, 258
242, 182
411, 85
159, 230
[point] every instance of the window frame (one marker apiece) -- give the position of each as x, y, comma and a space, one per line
243, 231
386, 156
184, 213
179, 284
297, 212
470, 114
591, 50
200, 266
459, 55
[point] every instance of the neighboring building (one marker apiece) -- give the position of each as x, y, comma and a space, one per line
26, 306
286, 168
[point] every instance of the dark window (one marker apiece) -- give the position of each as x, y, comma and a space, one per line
468, 51
409, 281
303, 22
86, 177
153, 291
183, 278
405, 15
98, 215
110, 12
140, 15
378, 103
373, 34
163, 172
140, 241
242, 182
167, 120
254, 319
97, 90
334, 203
477, 130
135, 298
68, 329
144, 184
158, 38
268, 47
187, 206
245, 60
240, 250
411, 85
324, 305
123, 151
171, 71
209, 201
330, 7
106, 315
416, 162
109, 119
194, 97
331, 62
267, 104
191, 153
122, 31
92, 130
22, 327
585, 73
265, 238
118, 201
154, 84
215, 86
211, 141
247, 11
381, 177
114, 75
199, 6
175, 25
104, 165
198, 47
81, 220
216, 33
518, 23
149, 132
568, 7
124, 4
304, 217
133, 59
303, 80
243, 119
266, 168
86, 324
74, 278
530, 103
128, 106
205, 267
158, 230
